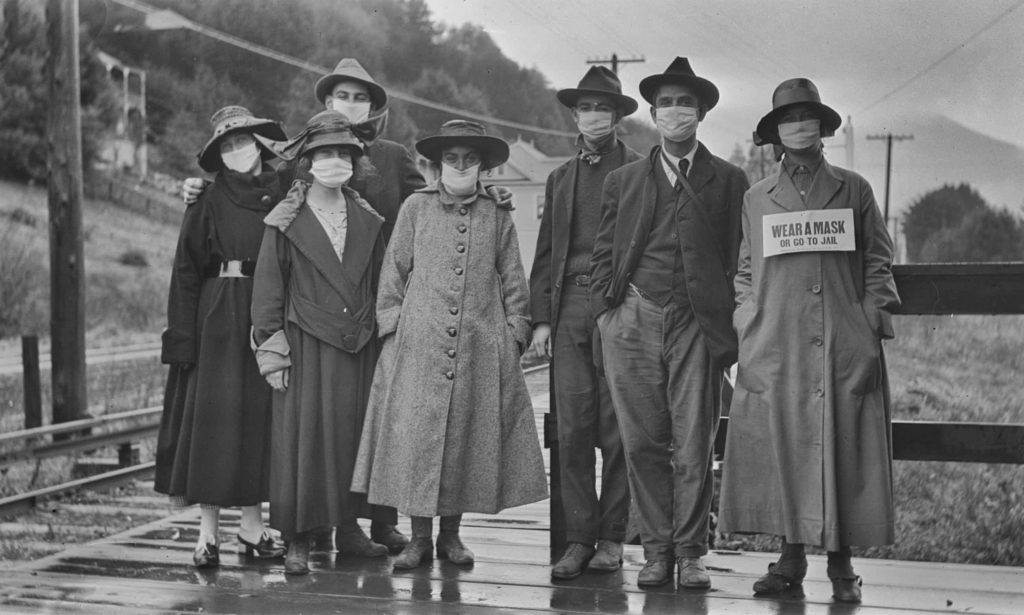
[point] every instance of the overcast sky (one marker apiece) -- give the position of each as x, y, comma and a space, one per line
856, 51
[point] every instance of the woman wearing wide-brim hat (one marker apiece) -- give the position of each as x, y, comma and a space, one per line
313, 325
214, 445
450, 425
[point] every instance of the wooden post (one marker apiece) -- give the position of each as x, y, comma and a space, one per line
557, 540
30, 376
64, 161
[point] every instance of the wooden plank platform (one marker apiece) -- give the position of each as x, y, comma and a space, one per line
148, 570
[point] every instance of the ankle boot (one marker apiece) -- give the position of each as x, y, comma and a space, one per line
350, 540
788, 572
845, 584
296, 561
419, 551
389, 536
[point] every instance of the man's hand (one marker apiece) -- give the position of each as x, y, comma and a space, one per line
192, 188
501, 195
278, 380
541, 343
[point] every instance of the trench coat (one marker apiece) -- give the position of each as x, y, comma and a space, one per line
450, 425
708, 231
214, 440
314, 314
809, 448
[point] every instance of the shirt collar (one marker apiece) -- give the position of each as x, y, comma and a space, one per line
668, 160
791, 167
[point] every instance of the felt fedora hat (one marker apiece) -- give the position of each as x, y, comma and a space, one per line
680, 73
234, 118
793, 92
463, 132
349, 69
603, 82
327, 127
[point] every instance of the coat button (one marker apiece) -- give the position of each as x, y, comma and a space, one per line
558, 284
461, 227
453, 311
458, 270
463, 211
449, 375
452, 331
817, 341
819, 393
451, 352
816, 289
265, 199
460, 248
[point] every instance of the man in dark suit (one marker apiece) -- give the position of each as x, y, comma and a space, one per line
564, 330
661, 292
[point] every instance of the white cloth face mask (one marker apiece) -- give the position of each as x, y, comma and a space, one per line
460, 183
241, 160
331, 172
676, 123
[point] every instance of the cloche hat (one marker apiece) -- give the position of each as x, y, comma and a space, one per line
464, 132
234, 118
327, 127
792, 92
601, 81
680, 73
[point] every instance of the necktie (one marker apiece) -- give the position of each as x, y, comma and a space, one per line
684, 166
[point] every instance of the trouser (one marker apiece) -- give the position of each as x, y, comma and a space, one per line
665, 393
586, 420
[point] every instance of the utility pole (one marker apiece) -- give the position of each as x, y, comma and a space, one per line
889, 138
615, 61
64, 187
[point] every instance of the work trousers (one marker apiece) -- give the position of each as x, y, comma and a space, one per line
586, 421
666, 396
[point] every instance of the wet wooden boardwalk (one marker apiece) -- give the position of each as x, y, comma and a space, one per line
148, 570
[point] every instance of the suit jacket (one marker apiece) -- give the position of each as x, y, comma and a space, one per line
553, 240
708, 231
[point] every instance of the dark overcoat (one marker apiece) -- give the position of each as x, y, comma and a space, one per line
553, 240
450, 428
315, 314
213, 443
809, 451
708, 233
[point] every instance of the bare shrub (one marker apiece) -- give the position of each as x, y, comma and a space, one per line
136, 303
22, 281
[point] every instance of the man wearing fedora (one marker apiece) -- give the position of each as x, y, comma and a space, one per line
661, 292
809, 453
564, 330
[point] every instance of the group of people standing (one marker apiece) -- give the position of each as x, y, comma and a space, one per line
349, 347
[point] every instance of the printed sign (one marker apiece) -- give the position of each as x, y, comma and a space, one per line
816, 230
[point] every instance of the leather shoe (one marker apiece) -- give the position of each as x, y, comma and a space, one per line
389, 536
846, 589
450, 547
296, 561
782, 575
692, 574
206, 555
655, 572
353, 541
322, 539
573, 561
267, 547
419, 551
607, 558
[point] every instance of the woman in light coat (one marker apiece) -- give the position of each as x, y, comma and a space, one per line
450, 426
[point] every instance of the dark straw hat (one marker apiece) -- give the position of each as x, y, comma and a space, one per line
350, 69
328, 127
792, 92
680, 73
463, 132
603, 82
237, 119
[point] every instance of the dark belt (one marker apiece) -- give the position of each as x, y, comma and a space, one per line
219, 268
579, 279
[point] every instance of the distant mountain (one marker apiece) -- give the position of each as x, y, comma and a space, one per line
942, 151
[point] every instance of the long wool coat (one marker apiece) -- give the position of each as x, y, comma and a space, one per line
450, 425
213, 445
315, 314
809, 451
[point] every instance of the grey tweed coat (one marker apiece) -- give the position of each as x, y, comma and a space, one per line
450, 426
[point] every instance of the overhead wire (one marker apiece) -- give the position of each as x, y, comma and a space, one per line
320, 70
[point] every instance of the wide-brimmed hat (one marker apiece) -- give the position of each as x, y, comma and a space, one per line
792, 92
463, 132
349, 69
603, 82
328, 127
234, 118
680, 73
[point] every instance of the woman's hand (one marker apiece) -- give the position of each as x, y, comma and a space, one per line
278, 380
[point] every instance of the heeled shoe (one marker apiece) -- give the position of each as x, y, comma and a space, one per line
267, 547
297, 559
206, 555
450, 547
782, 575
419, 551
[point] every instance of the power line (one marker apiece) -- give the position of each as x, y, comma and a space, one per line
173, 20
614, 60
944, 57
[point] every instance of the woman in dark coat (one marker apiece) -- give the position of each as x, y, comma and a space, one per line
314, 324
450, 427
214, 445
